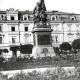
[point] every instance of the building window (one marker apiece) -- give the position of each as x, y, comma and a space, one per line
70, 38
78, 28
26, 28
72, 18
12, 17
52, 38
0, 39
13, 39
56, 37
12, 28
53, 18
27, 38
0, 28
69, 27
25, 18
56, 28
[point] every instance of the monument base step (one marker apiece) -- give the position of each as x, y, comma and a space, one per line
42, 52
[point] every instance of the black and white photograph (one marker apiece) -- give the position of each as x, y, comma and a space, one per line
39, 40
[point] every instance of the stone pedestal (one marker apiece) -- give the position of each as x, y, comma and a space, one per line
42, 41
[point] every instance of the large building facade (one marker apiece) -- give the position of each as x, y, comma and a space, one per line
16, 27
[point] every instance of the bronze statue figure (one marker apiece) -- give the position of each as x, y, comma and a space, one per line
39, 13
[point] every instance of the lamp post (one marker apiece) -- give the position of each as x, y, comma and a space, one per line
19, 35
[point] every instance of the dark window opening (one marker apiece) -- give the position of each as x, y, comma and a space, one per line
12, 28
0, 28
26, 28
28, 17
25, 18
12, 17
72, 19
56, 38
13, 40
53, 18
0, 39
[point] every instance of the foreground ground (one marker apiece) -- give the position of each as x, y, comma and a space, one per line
47, 62
58, 73
25, 63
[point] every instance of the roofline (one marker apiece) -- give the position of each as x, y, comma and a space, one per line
51, 12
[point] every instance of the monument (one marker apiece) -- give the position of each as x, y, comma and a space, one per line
41, 32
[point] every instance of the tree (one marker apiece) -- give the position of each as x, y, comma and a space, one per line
26, 49
65, 46
76, 44
14, 50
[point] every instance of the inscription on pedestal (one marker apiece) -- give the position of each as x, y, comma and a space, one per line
43, 39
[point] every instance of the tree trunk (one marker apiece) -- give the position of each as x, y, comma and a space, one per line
14, 53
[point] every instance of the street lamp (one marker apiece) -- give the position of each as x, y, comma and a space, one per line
19, 35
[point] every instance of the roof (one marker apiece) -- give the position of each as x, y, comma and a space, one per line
25, 12
48, 12
2, 12
61, 13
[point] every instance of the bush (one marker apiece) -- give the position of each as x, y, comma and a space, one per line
26, 49
65, 46
5, 50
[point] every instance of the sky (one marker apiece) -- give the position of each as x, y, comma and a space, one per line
72, 6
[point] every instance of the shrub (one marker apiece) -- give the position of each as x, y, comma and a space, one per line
65, 46
5, 50
26, 49
76, 44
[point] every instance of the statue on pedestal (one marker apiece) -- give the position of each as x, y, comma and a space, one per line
41, 32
